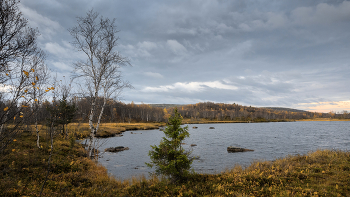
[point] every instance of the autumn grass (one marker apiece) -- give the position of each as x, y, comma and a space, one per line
319, 173
324, 119
111, 129
23, 169
82, 130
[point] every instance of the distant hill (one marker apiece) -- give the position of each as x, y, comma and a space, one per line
284, 109
272, 108
167, 105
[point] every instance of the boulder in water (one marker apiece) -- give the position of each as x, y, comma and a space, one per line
232, 149
116, 149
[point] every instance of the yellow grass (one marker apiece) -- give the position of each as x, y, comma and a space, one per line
111, 129
323, 119
82, 130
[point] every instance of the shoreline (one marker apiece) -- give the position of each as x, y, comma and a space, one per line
320, 172
113, 129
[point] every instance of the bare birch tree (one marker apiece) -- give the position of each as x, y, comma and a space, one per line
19, 57
96, 37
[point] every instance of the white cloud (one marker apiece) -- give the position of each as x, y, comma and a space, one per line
321, 14
47, 27
56, 49
5, 88
153, 75
62, 66
176, 47
191, 87
146, 45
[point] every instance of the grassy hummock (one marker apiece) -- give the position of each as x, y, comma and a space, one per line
23, 169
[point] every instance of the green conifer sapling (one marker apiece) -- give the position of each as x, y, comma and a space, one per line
169, 158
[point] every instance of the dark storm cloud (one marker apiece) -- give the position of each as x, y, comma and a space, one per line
276, 53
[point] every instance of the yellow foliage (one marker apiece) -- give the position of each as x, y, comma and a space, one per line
37, 78
32, 70
6, 108
33, 83
26, 73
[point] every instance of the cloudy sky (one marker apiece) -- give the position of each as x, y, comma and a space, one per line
291, 53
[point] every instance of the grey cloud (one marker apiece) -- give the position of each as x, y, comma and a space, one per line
275, 53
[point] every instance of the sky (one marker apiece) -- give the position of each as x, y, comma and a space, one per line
292, 53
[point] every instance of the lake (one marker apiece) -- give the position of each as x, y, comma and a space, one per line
268, 140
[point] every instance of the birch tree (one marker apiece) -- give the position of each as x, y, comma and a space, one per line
19, 57
97, 38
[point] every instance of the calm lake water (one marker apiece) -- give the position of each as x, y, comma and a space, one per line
269, 140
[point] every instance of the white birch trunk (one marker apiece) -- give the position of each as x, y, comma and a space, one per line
92, 128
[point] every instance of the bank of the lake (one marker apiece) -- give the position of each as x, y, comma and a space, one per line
23, 171
111, 129
82, 130
323, 119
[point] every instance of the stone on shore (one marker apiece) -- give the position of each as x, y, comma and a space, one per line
211, 127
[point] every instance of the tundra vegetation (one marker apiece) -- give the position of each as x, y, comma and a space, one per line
36, 116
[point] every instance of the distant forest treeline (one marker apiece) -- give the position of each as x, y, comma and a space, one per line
116, 111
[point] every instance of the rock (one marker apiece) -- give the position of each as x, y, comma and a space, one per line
211, 127
118, 135
193, 144
195, 127
116, 149
232, 149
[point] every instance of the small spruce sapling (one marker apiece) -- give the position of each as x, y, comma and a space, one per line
169, 158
